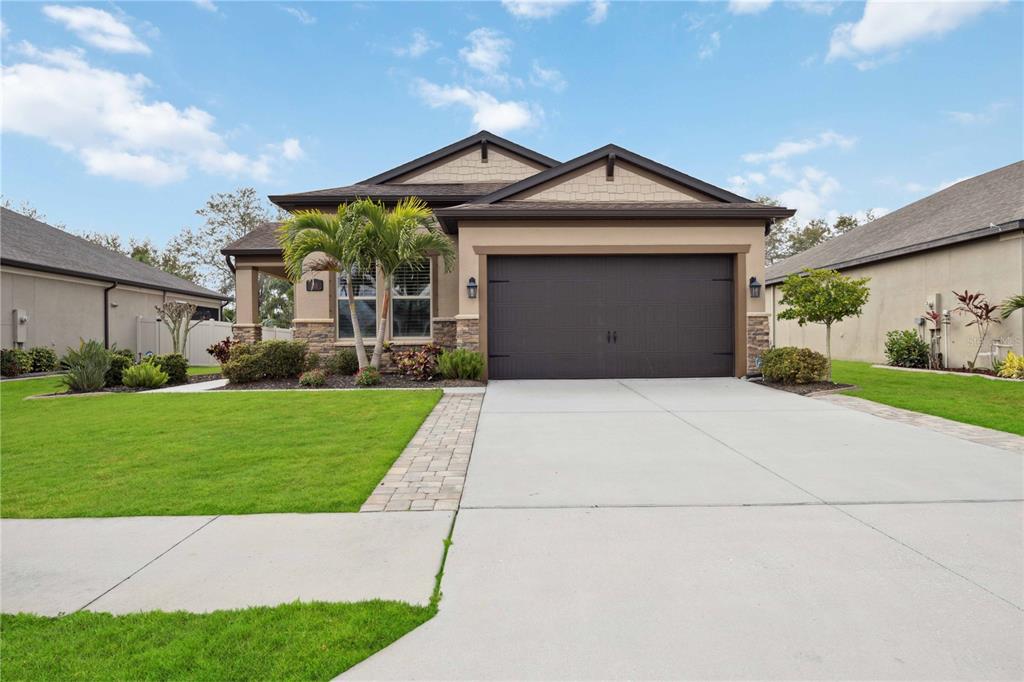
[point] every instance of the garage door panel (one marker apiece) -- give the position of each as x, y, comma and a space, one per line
552, 316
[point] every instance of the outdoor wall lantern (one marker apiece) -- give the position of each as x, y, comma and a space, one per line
755, 288
471, 287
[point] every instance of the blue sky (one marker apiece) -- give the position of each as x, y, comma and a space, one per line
124, 117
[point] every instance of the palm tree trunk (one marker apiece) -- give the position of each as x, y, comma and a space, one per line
357, 332
378, 348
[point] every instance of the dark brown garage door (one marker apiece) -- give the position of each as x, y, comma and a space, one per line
589, 317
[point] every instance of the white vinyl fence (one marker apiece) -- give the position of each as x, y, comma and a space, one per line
151, 336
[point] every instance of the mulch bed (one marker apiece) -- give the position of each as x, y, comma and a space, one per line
806, 389
342, 381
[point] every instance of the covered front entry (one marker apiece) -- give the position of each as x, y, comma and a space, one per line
610, 316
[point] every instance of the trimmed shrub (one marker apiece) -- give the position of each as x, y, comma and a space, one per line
790, 365
419, 364
368, 376
43, 359
86, 367
144, 375
14, 361
120, 360
904, 348
344, 361
221, 351
1012, 367
283, 359
461, 363
312, 361
313, 378
243, 369
174, 364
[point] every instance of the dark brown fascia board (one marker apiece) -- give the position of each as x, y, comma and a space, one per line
459, 146
291, 201
620, 155
646, 211
116, 280
269, 251
981, 233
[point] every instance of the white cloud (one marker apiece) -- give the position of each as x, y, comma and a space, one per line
741, 184
535, 9
208, 5
105, 119
488, 53
889, 26
488, 112
785, 150
986, 115
291, 149
812, 189
3, 29
710, 46
547, 78
820, 7
98, 28
598, 12
419, 45
300, 14
748, 6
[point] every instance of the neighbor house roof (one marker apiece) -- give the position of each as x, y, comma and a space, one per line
33, 245
981, 206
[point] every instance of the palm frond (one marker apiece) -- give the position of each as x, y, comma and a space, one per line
1011, 305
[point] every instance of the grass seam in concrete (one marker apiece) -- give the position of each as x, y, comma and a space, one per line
741, 505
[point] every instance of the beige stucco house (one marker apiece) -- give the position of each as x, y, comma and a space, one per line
608, 265
968, 236
57, 288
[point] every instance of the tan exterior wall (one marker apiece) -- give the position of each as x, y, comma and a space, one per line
63, 309
468, 166
900, 290
628, 183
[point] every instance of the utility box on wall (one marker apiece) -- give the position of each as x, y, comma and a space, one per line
20, 326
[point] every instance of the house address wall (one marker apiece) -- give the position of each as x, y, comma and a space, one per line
900, 289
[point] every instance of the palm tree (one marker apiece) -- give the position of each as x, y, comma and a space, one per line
338, 241
1012, 305
403, 237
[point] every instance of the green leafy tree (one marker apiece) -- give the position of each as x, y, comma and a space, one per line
807, 236
823, 297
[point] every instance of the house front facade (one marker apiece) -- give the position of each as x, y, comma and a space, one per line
609, 265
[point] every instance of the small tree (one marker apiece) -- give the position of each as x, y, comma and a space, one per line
177, 317
823, 297
977, 306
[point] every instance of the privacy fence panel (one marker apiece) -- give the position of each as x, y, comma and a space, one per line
153, 337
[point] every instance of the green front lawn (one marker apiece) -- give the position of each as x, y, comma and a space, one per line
204, 369
206, 453
312, 641
969, 399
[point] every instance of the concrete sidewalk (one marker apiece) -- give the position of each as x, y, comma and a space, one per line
201, 564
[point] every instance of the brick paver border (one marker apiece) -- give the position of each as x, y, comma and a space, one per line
431, 471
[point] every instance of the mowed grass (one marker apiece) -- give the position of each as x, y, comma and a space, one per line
312, 641
968, 399
209, 453
204, 369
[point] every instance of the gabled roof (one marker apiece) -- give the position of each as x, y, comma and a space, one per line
34, 245
433, 193
981, 206
617, 153
456, 147
261, 240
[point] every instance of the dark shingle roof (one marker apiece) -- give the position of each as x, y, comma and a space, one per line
262, 239
444, 193
981, 206
33, 245
636, 208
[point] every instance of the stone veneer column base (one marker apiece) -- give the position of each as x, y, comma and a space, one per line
757, 340
467, 333
247, 333
318, 335
445, 332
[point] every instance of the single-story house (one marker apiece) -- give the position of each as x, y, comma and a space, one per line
967, 236
57, 288
608, 265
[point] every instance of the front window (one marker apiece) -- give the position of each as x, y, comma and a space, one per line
410, 302
364, 288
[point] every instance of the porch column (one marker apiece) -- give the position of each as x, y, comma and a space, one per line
247, 306
315, 305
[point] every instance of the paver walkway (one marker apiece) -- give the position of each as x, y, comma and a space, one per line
431, 471
712, 528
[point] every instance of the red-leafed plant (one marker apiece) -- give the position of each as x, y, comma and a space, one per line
981, 311
934, 355
221, 350
419, 364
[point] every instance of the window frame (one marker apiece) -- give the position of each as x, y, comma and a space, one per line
342, 300
429, 297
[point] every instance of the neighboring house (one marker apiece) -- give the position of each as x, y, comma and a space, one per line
57, 288
968, 236
609, 265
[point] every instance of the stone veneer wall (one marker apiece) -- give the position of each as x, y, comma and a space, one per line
445, 332
467, 334
757, 340
318, 335
247, 333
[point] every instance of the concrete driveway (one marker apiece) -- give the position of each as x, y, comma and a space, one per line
712, 528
